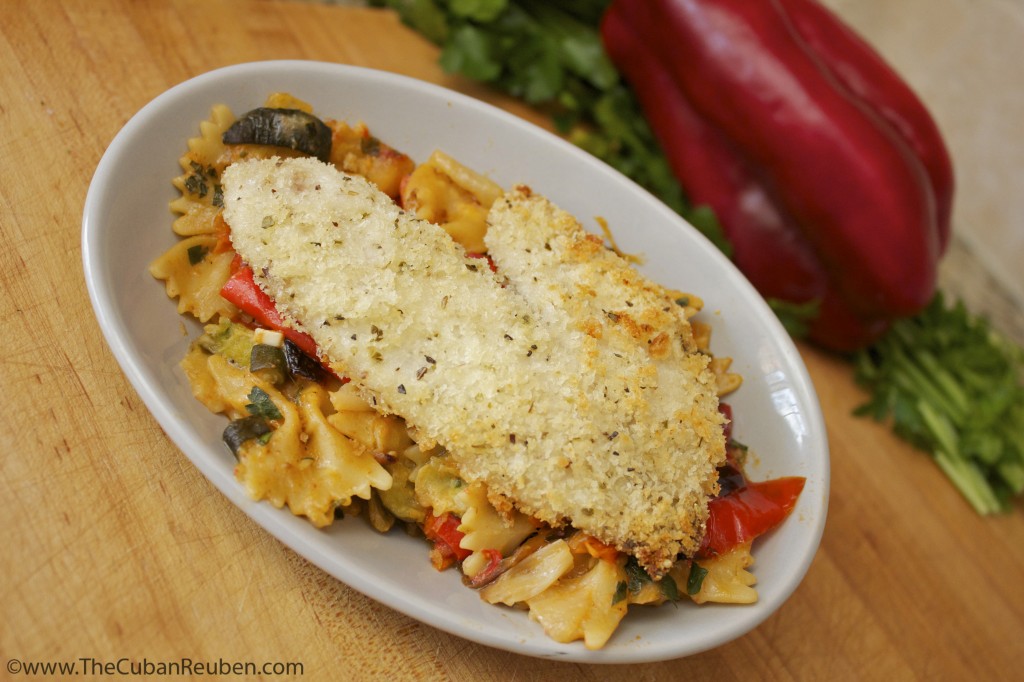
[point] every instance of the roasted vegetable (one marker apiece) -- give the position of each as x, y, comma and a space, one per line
291, 128
242, 292
444, 532
247, 428
231, 340
791, 157
748, 512
268, 362
299, 364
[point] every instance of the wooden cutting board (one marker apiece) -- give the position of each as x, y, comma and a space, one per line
115, 547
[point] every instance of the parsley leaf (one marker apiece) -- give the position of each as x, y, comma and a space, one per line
636, 576
469, 53
425, 16
197, 253
668, 588
260, 404
696, 578
478, 10
620, 592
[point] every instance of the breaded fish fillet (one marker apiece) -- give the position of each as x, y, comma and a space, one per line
566, 382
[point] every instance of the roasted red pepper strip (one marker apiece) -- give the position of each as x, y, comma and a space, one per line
767, 245
865, 74
859, 195
444, 531
747, 512
242, 291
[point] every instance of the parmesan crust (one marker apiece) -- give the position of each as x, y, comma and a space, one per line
566, 382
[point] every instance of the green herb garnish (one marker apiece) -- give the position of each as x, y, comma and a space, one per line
621, 590
696, 578
637, 578
196, 185
260, 405
197, 253
668, 588
196, 182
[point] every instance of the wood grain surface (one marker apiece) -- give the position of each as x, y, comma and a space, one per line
115, 547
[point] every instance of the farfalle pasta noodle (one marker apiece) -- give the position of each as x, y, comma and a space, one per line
193, 273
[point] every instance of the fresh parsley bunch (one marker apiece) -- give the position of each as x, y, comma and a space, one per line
952, 386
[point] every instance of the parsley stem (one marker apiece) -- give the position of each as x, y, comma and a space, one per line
971, 483
940, 428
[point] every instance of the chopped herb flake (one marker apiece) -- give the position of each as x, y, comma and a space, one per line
621, 590
261, 405
669, 589
696, 578
635, 575
197, 253
196, 185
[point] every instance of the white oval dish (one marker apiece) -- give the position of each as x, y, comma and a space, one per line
126, 224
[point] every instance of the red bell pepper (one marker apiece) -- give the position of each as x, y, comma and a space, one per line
767, 245
865, 74
242, 291
748, 512
444, 531
744, 510
821, 199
